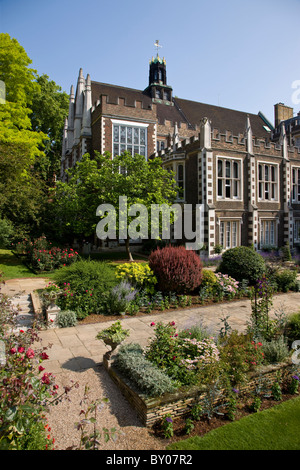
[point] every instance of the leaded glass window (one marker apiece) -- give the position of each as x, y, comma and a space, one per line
130, 138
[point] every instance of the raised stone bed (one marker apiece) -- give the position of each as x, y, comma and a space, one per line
151, 410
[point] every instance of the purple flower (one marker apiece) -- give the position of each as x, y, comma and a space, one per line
235, 390
169, 420
296, 377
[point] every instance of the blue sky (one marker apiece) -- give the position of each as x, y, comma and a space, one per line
241, 54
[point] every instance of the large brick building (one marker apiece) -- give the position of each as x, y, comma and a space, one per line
244, 170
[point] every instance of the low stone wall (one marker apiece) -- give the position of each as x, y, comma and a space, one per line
151, 410
36, 305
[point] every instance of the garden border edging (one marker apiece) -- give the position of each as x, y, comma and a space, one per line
151, 410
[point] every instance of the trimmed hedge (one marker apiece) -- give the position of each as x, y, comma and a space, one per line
242, 263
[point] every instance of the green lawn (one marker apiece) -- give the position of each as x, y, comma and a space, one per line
274, 429
13, 268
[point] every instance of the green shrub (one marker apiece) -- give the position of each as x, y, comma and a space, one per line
85, 286
196, 412
286, 253
275, 350
7, 232
66, 318
285, 279
138, 274
142, 373
119, 298
197, 332
242, 263
209, 278
239, 354
292, 330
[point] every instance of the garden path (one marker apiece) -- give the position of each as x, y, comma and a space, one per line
76, 348
76, 357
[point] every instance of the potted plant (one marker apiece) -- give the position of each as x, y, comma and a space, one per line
113, 336
50, 294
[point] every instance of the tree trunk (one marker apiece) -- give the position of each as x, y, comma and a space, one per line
130, 258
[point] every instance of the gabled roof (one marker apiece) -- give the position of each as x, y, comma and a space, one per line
221, 118
189, 112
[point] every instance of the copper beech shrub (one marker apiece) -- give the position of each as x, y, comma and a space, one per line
177, 269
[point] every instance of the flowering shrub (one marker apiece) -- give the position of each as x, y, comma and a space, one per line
138, 274
176, 269
198, 353
119, 298
42, 256
216, 286
180, 357
25, 387
226, 286
239, 355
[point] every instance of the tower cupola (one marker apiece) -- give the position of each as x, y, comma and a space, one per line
158, 89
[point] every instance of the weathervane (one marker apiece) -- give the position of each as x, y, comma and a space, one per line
157, 45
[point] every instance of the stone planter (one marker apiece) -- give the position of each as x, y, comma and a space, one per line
152, 409
51, 313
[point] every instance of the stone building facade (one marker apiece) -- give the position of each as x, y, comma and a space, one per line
244, 171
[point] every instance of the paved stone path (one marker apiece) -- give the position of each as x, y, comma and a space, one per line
77, 348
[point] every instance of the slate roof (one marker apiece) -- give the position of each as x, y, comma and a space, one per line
114, 92
221, 118
189, 112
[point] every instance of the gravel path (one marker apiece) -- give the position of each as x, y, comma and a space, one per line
116, 413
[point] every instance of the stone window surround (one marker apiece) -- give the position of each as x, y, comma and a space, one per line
262, 222
224, 220
295, 184
239, 179
132, 124
276, 182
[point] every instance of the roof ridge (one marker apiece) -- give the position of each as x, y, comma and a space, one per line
116, 86
218, 107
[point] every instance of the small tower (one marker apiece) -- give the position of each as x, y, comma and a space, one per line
158, 89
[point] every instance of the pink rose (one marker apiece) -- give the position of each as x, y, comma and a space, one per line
30, 353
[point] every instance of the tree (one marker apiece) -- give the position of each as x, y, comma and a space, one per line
49, 109
102, 180
32, 111
20, 85
23, 193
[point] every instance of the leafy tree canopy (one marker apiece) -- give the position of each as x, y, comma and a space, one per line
102, 180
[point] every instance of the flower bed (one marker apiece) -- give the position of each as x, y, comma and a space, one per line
40, 255
153, 410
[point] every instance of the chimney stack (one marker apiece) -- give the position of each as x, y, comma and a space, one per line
282, 113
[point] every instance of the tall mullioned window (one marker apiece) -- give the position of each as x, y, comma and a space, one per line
268, 235
296, 184
229, 179
229, 233
130, 138
267, 182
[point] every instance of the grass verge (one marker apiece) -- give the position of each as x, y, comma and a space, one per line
274, 429
13, 268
